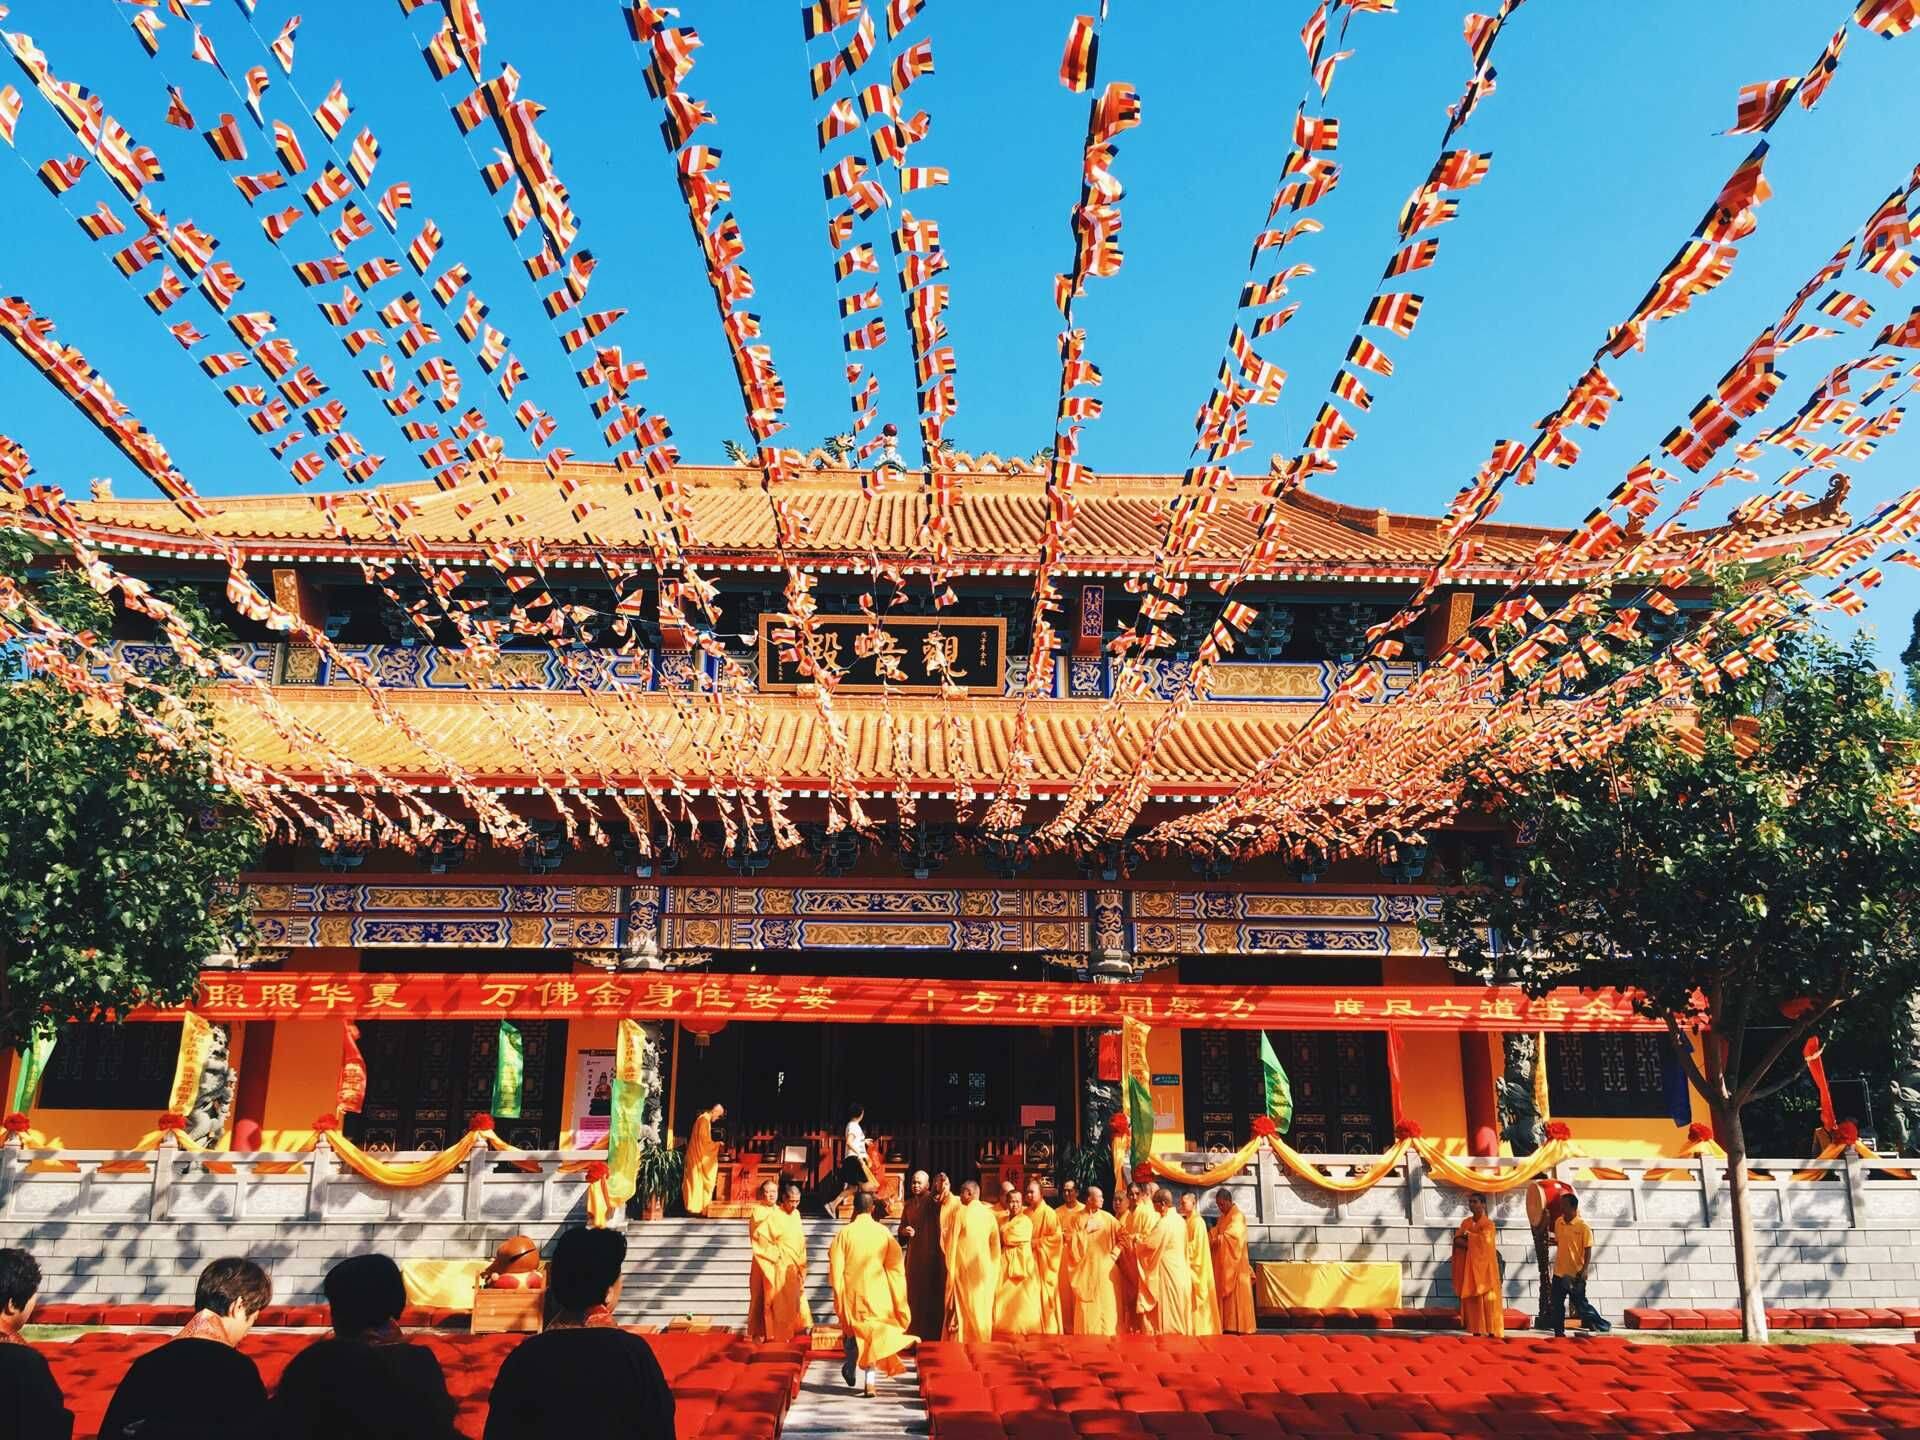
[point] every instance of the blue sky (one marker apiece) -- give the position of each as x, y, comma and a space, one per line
1605, 149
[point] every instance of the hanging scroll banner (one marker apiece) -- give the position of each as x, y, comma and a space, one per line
864, 1001
196, 1048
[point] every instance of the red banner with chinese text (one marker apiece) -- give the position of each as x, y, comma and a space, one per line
280, 995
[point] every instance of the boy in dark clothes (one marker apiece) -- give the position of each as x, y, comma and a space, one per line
367, 1380
539, 1390
31, 1405
198, 1384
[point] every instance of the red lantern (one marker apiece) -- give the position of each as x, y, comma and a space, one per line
703, 1031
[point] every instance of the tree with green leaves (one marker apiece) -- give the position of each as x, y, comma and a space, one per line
1747, 868
119, 858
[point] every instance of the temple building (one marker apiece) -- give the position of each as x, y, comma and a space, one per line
1016, 953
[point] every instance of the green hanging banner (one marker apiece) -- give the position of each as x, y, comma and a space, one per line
509, 1073
1278, 1092
33, 1064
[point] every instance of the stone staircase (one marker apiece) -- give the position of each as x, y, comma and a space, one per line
677, 1268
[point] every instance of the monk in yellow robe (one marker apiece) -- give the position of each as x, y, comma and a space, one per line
764, 1203
972, 1233
1166, 1283
780, 1255
1233, 1268
1476, 1272
1047, 1248
1069, 1210
1206, 1301
1019, 1305
1093, 1249
869, 1278
702, 1170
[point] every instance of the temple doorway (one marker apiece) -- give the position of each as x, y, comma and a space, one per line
424, 1078
1342, 1102
964, 1099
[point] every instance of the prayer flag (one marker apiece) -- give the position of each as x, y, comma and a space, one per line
1279, 1093
352, 1092
1139, 1088
629, 1105
509, 1072
33, 1064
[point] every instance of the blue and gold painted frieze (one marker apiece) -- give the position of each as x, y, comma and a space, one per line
377, 916
778, 918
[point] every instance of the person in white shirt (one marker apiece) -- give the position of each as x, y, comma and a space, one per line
855, 1173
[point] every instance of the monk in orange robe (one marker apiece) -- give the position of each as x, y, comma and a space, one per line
764, 1201
1019, 1305
1047, 1248
869, 1279
1069, 1210
780, 1254
1093, 1250
973, 1264
1166, 1282
1136, 1224
702, 1170
1206, 1302
1476, 1272
1233, 1268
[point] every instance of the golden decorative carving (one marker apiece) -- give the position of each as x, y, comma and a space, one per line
1280, 681
1152, 904
333, 931
1052, 935
776, 902
1403, 940
513, 667
1309, 907
303, 665
700, 932
1220, 938
977, 902
851, 936
527, 932
271, 897
432, 897
595, 900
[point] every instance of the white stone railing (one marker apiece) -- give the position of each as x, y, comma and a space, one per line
174, 1185
1615, 1191
214, 1187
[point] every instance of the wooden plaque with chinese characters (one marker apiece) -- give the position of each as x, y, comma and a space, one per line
974, 650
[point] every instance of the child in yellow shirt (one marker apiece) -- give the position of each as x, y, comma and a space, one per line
1573, 1253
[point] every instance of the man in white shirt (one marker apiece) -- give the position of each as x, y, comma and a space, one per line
855, 1172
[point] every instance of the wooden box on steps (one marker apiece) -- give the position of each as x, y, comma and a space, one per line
500, 1311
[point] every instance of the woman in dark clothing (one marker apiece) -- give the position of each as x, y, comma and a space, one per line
539, 1390
31, 1406
198, 1384
367, 1379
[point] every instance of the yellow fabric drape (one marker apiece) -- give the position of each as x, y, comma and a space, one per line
1218, 1175
1452, 1172
410, 1174
1299, 1165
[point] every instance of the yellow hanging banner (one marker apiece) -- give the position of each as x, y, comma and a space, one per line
196, 1048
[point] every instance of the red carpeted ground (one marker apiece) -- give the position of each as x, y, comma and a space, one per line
1274, 1387
722, 1385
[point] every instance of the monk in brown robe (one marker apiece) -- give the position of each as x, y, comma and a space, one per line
1233, 1268
926, 1266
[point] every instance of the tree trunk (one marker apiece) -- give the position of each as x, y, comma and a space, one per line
1732, 1135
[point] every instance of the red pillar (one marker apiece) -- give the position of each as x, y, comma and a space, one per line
250, 1090
1476, 1081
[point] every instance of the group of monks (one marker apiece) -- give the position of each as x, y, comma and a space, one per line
1149, 1266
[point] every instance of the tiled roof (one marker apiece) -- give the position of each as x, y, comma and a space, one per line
997, 524
606, 744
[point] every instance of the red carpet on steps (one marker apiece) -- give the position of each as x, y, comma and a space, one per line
722, 1385
1320, 1384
